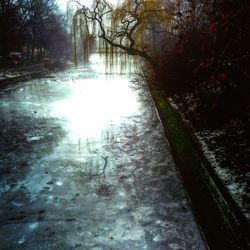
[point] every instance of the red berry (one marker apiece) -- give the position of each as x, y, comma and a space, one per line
214, 26
223, 77
213, 78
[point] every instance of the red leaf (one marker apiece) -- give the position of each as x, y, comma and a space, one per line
223, 77
202, 37
202, 65
214, 26
178, 51
215, 105
220, 1
213, 78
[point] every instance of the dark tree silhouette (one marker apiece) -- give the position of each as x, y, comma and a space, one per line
35, 25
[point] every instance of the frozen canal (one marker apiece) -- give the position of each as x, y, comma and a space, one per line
84, 164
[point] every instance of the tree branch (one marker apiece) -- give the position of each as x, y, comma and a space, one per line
130, 21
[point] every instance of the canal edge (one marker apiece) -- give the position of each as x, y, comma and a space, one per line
24, 77
221, 220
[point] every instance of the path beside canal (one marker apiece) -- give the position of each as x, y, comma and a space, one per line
85, 164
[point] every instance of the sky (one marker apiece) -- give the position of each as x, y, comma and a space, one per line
63, 3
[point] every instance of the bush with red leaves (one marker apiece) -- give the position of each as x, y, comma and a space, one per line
210, 56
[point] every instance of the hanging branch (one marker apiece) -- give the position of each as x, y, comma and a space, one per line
125, 27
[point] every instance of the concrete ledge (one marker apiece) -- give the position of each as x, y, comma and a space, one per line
222, 222
24, 77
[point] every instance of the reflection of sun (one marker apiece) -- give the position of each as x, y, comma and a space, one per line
95, 103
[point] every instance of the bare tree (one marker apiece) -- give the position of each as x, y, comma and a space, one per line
130, 27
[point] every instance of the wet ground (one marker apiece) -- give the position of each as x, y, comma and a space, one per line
84, 164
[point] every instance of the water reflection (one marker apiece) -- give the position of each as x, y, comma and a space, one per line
99, 179
116, 64
95, 103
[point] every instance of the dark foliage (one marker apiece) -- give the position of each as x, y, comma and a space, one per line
211, 59
207, 74
32, 28
9, 22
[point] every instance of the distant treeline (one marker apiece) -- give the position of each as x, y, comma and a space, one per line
34, 28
